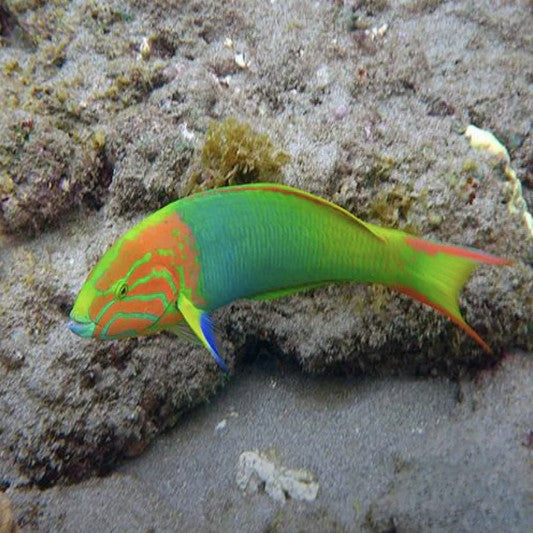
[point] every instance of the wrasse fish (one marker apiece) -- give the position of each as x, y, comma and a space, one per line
258, 241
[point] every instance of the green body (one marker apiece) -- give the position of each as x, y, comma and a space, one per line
258, 242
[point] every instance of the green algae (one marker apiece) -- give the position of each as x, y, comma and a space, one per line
391, 208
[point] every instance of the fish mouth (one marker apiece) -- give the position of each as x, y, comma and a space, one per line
82, 329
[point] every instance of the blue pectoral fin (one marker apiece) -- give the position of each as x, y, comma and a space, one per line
202, 325
206, 325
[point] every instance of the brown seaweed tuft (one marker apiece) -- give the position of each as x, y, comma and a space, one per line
234, 153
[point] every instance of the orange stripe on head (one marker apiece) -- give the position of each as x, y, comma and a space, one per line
150, 280
170, 318
121, 325
98, 303
152, 286
142, 271
128, 253
153, 307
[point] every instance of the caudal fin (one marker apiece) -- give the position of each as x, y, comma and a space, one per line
437, 275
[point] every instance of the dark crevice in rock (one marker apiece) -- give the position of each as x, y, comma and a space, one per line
12, 32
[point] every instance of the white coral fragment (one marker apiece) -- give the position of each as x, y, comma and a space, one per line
221, 425
256, 470
376, 32
485, 140
240, 61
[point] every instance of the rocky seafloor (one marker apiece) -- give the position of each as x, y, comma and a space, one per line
104, 110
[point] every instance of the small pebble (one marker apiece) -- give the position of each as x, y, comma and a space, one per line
340, 112
221, 425
239, 60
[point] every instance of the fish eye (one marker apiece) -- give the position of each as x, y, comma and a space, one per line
121, 290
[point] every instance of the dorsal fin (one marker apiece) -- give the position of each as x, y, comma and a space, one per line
285, 189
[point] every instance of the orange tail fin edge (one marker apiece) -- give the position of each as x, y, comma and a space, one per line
455, 319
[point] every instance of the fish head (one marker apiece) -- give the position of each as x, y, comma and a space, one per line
127, 292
